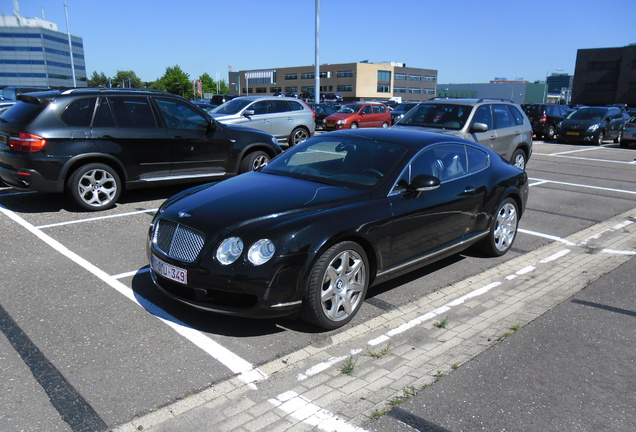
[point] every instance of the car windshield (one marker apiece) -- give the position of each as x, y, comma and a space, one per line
232, 106
350, 109
439, 116
340, 161
595, 114
404, 107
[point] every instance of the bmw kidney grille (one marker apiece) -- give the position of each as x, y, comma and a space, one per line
178, 241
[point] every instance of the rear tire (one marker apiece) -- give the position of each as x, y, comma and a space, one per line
254, 161
337, 286
551, 134
94, 187
297, 136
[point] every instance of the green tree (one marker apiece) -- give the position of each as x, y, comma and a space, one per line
127, 79
97, 80
207, 84
175, 81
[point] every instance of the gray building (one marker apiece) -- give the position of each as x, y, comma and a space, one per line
515, 90
33, 53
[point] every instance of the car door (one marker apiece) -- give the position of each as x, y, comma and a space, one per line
434, 219
126, 127
196, 148
281, 121
615, 123
367, 116
259, 119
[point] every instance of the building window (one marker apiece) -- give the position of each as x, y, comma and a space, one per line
291, 76
307, 75
415, 77
345, 88
429, 78
275, 89
429, 91
344, 74
260, 90
399, 89
603, 86
291, 89
325, 74
384, 77
384, 88
326, 89
415, 90
401, 76
604, 65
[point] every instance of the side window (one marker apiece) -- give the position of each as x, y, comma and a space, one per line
366, 109
277, 106
79, 113
178, 115
445, 162
502, 116
477, 159
132, 112
483, 115
378, 109
516, 115
260, 107
104, 116
297, 106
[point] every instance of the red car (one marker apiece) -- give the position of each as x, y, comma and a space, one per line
359, 114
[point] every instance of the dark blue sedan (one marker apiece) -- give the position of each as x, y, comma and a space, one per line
327, 219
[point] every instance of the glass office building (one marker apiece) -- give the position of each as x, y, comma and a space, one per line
34, 54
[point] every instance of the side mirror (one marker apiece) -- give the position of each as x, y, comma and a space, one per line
248, 113
424, 182
479, 127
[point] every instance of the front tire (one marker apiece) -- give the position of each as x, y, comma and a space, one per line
551, 134
337, 286
354, 125
94, 187
503, 229
601, 138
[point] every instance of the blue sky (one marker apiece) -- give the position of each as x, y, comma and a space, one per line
464, 40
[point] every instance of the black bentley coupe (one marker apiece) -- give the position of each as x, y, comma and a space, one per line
312, 230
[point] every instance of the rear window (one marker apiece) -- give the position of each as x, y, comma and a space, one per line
21, 113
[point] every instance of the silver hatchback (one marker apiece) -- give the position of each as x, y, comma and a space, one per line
288, 119
496, 123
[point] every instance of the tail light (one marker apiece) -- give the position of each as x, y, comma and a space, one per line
26, 142
543, 119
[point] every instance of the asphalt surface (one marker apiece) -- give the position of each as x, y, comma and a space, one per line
571, 369
88, 344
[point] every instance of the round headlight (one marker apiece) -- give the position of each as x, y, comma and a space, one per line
229, 250
261, 252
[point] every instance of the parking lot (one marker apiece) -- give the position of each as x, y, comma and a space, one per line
89, 344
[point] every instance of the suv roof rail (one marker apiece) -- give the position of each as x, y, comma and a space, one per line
111, 89
495, 99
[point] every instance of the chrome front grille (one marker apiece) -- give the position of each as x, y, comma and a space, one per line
178, 241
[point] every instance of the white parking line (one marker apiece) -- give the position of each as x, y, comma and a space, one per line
306, 411
559, 155
96, 218
547, 236
584, 186
246, 371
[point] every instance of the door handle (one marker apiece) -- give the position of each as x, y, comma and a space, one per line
470, 190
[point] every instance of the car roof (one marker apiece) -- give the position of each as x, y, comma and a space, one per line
266, 97
467, 101
414, 139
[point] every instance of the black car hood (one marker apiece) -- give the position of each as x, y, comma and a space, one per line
582, 124
254, 197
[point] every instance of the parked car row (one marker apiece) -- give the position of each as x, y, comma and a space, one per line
592, 125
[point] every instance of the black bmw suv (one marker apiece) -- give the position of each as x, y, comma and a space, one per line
93, 143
